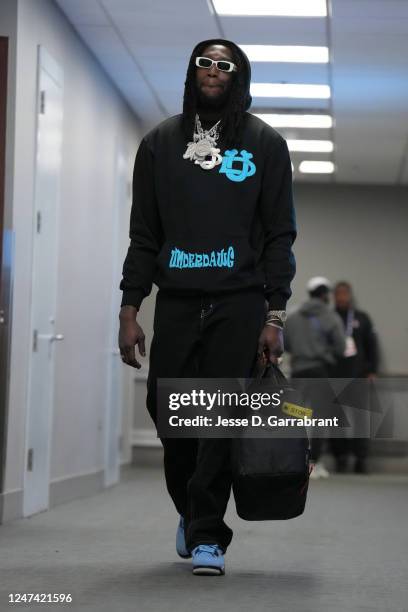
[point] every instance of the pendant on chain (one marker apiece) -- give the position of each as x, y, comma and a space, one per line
203, 146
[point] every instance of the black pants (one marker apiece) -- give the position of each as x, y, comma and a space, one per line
215, 336
316, 396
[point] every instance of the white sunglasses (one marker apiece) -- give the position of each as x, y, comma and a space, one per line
223, 65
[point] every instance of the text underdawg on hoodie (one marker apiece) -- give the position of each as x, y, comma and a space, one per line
214, 259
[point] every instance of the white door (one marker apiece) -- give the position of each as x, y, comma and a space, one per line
44, 335
116, 405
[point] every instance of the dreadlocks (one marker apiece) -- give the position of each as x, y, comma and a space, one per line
238, 100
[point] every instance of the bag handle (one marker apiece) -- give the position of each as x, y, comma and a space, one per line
273, 371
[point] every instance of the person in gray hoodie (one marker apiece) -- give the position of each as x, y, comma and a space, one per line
315, 339
314, 333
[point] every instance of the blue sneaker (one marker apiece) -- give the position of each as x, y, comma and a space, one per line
181, 540
208, 560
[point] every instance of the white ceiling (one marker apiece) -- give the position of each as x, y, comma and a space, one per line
144, 46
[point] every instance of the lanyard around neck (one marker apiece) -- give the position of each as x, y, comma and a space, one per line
349, 325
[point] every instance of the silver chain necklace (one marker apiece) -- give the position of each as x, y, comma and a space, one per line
204, 144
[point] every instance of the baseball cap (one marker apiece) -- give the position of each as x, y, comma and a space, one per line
318, 281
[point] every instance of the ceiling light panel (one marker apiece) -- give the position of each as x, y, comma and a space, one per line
316, 167
315, 146
289, 120
285, 53
278, 8
289, 90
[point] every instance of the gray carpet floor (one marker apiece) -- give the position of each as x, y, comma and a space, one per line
115, 551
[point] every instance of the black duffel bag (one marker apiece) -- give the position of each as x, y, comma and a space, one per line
270, 474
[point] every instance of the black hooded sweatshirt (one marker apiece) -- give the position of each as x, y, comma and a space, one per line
196, 231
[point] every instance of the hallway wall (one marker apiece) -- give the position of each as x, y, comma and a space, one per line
97, 124
8, 27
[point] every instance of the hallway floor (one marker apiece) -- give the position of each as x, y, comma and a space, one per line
115, 552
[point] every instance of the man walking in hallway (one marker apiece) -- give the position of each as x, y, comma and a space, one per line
212, 225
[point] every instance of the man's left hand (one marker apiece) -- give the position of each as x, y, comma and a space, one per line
270, 344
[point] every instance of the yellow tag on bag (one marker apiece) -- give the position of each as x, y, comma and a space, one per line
296, 411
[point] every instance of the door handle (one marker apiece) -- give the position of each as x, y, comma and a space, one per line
57, 337
50, 337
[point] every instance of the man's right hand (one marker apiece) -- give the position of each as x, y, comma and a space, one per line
130, 334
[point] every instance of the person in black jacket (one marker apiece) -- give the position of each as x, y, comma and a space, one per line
360, 360
212, 225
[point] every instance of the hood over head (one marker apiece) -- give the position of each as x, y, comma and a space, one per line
243, 76
238, 101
